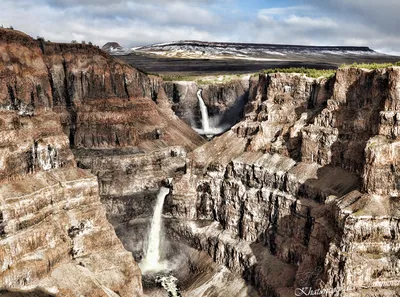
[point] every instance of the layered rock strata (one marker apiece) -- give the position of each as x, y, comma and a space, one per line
102, 101
308, 181
301, 194
55, 235
128, 180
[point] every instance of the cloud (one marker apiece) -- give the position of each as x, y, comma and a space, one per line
310, 23
134, 22
381, 15
278, 11
292, 25
69, 3
128, 22
174, 13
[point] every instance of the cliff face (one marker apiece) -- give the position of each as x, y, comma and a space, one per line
102, 102
302, 193
54, 234
53, 228
225, 100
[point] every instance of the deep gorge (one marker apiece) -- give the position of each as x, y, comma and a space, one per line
301, 192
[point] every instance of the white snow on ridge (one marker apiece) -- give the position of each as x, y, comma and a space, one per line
215, 50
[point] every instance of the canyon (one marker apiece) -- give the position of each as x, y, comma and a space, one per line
299, 194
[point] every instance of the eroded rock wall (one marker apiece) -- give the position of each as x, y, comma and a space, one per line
309, 179
128, 179
103, 102
54, 230
302, 193
225, 101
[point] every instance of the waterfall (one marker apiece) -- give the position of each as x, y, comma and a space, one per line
152, 264
204, 113
152, 260
208, 129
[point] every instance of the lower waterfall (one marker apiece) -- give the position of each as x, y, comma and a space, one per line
152, 264
152, 259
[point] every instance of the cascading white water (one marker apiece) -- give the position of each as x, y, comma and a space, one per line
169, 284
204, 112
207, 129
152, 259
152, 264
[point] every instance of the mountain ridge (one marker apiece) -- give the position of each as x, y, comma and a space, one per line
254, 44
194, 49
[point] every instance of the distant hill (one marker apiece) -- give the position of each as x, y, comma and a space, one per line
111, 47
200, 49
191, 57
192, 49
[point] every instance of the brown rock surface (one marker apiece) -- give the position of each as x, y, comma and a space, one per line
102, 101
303, 192
54, 233
53, 226
307, 180
224, 100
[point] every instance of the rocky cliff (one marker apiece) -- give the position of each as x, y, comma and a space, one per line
55, 237
301, 195
225, 100
102, 101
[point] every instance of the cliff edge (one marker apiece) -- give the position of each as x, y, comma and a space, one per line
54, 235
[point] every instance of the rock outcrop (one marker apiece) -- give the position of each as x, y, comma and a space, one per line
110, 46
55, 237
102, 101
301, 195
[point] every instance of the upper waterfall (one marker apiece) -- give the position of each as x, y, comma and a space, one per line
208, 128
204, 112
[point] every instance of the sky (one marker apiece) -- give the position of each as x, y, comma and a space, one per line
132, 22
